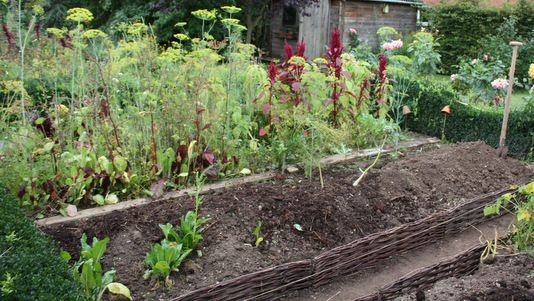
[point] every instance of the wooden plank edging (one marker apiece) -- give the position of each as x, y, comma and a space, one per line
330, 160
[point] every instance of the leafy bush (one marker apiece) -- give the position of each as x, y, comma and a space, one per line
425, 58
30, 265
522, 201
474, 79
464, 29
467, 122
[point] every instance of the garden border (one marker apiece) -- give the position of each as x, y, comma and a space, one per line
330, 160
275, 282
458, 265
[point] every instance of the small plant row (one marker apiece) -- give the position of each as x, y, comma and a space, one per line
178, 243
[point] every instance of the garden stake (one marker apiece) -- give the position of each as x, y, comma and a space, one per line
503, 150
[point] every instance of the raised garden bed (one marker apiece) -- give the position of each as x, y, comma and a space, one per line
395, 193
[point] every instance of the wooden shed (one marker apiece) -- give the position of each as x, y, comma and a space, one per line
366, 16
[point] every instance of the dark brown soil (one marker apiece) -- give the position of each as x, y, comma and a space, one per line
395, 192
508, 279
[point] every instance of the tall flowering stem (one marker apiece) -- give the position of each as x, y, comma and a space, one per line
335, 64
273, 73
382, 79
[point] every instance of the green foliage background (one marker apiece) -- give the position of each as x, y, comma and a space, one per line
469, 123
463, 30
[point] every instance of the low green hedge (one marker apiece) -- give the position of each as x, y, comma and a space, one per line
32, 261
468, 123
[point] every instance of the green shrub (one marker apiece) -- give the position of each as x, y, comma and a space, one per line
30, 266
468, 123
467, 31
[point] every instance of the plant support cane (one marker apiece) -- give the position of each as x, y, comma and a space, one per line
503, 150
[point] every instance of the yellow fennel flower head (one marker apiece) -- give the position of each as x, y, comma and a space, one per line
180, 24
297, 60
181, 37
38, 10
80, 15
137, 28
320, 61
204, 14
58, 33
93, 34
531, 71
228, 22
231, 9
62, 109
240, 27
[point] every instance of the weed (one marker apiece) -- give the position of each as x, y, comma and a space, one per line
257, 234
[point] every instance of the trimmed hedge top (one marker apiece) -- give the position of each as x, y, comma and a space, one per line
31, 260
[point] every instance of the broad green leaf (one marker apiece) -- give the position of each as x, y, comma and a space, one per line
65, 255
523, 214
119, 289
87, 276
104, 164
162, 267
491, 210
49, 146
111, 199
245, 171
99, 199
39, 121
528, 189
120, 163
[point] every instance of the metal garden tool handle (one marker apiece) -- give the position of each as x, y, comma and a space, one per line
502, 150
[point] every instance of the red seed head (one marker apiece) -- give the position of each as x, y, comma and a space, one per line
288, 50
301, 47
273, 72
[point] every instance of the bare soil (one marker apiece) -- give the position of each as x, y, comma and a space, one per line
508, 279
395, 192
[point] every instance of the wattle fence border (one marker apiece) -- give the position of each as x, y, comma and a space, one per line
275, 282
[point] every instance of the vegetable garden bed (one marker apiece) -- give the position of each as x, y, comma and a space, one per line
397, 193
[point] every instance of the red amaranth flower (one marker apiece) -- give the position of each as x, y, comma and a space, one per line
288, 49
9, 36
38, 30
273, 72
301, 47
383, 63
333, 53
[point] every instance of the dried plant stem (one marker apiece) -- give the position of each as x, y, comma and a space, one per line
372, 165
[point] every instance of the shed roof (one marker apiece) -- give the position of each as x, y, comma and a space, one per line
409, 2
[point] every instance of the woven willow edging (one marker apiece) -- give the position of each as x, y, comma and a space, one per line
273, 283
459, 265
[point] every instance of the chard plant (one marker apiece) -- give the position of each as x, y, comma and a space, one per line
88, 271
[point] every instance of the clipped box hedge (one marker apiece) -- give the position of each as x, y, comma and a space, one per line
468, 123
31, 259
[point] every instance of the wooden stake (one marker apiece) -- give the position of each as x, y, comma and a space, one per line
503, 150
